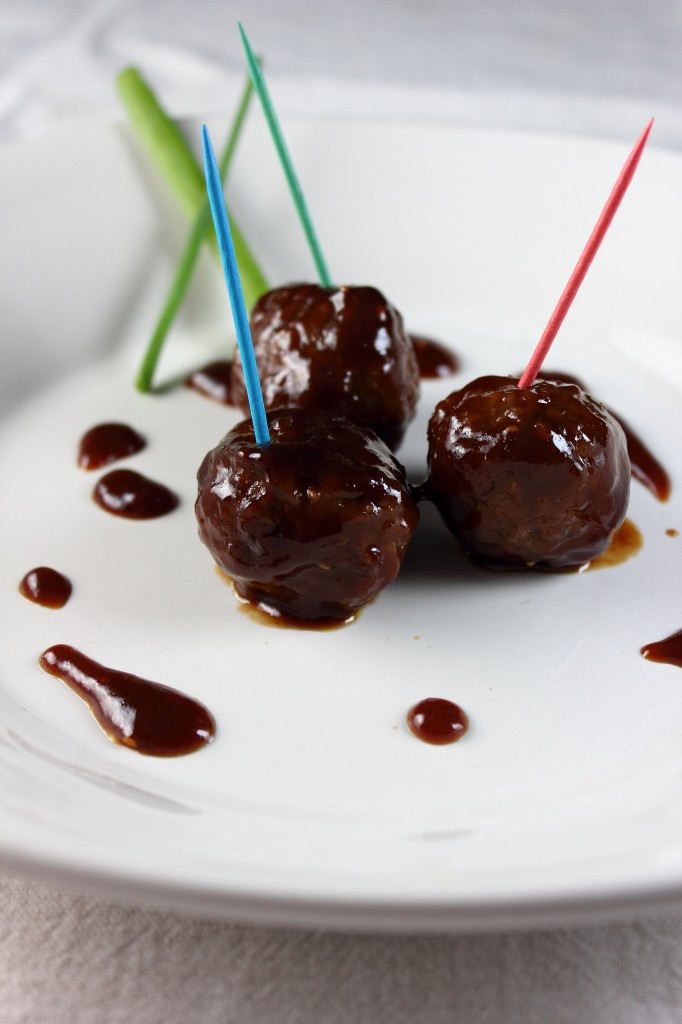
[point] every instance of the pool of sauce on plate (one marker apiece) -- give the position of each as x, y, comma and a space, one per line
46, 587
128, 494
626, 542
434, 359
264, 616
437, 721
213, 381
107, 443
666, 652
147, 717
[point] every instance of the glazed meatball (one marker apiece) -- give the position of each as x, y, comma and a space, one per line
528, 477
339, 349
312, 525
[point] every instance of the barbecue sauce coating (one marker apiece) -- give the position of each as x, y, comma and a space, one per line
339, 349
644, 465
312, 525
528, 477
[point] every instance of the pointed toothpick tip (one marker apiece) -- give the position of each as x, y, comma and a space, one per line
586, 257
234, 288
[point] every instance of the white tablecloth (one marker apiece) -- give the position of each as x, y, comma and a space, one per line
600, 66
67, 960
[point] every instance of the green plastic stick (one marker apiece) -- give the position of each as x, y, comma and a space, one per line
170, 151
294, 184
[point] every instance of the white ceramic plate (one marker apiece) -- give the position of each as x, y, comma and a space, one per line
314, 804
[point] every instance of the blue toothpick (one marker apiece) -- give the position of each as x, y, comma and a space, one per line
234, 289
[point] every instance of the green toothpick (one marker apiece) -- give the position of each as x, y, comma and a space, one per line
258, 80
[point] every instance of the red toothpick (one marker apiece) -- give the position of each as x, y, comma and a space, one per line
582, 266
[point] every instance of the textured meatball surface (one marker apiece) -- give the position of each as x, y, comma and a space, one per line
313, 524
536, 477
340, 349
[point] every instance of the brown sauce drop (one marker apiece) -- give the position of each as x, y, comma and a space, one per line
434, 359
438, 721
213, 381
123, 492
666, 652
645, 466
627, 542
46, 587
672, 533
147, 717
106, 443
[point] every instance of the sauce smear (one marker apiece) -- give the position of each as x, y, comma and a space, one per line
106, 443
666, 652
626, 542
433, 359
437, 721
123, 492
147, 717
46, 587
645, 466
213, 381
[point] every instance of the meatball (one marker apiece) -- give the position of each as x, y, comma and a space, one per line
312, 525
536, 477
340, 349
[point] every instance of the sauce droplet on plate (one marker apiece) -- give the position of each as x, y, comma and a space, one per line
147, 717
107, 443
645, 466
213, 381
123, 492
666, 652
438, 721
434, 359
46, 587
626, 542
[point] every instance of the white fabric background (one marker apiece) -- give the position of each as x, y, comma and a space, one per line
600, 66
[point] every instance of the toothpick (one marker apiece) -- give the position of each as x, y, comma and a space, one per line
583, 264
261, 89
234, 288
